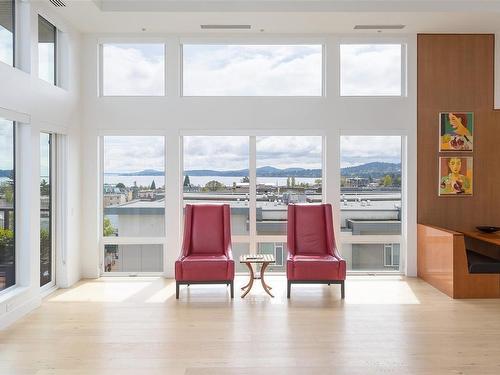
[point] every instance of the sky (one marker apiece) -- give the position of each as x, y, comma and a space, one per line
132, 153
252, 70
134, 69
261, 70
370, 69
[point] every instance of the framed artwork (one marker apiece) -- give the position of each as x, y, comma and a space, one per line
455, 176
456, 131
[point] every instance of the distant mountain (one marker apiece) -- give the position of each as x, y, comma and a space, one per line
146, 172
374, 170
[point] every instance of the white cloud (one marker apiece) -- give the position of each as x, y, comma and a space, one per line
217, 153
232, 152
289, 151
133, 153
252, 70
134, 69
370, 69
356, 150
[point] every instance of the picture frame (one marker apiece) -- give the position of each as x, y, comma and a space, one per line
456, 176
456, 131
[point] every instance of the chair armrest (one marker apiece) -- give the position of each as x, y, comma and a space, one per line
336, 253
229, 253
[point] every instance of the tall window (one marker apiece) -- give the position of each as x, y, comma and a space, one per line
133, 203
46, 212
47, 51
219, 169
371, 69
371, 210
261, 70
7, 8
133, 69
216, 170
289, 170
7, 205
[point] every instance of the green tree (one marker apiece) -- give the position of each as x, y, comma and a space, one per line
108, 229
387, 180
245, 179
9, 194
214, 185
288, 183
153, 185
187, 182
120, 186
293, 181
44, 188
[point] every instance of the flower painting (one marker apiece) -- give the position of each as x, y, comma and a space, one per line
455, 177
456, 131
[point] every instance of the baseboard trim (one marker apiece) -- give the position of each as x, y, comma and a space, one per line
20, 311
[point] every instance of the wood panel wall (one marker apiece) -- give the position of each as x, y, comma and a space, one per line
456, 73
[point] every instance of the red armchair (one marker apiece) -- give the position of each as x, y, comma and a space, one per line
313, 257
206, 256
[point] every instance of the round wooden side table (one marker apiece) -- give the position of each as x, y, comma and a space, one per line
264, 260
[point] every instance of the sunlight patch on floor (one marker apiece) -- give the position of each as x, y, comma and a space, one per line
101, 291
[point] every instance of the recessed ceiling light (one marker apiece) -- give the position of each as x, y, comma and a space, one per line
143, 29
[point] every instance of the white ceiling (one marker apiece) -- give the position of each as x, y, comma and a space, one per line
280, 16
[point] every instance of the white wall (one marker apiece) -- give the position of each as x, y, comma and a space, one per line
171, 115
39, 106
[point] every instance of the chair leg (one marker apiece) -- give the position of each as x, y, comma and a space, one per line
288, 288
232, 289
176, 290
342, 289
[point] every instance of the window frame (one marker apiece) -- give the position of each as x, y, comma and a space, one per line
103, 240
53, 199
137, 40
56, 49
402, 238
299, 40
253, 239
403, 42
15, 188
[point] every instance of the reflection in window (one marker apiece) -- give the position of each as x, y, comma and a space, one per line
370, 70
133, 69
280, 252
47, 50
261, 70
134, 186
7, 31
7, 199
46, 221
289, 170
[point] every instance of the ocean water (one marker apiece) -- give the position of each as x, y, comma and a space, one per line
199, 180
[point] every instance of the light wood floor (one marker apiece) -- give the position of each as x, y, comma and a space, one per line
386, 325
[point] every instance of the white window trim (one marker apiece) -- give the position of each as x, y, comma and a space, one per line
124, 240
252, 238
402, 238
